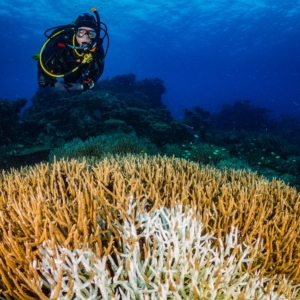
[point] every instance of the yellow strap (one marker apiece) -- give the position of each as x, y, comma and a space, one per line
87, 58
41, 52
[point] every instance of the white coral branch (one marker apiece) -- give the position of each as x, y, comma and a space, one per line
179, 263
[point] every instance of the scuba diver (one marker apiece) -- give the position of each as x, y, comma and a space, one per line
74, 53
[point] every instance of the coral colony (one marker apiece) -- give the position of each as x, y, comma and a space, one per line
175, 262
142, 227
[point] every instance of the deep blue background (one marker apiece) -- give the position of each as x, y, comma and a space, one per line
207, 52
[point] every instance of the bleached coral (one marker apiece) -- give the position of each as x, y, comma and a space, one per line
165, 255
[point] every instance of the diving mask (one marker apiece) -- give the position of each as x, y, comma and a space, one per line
81, 32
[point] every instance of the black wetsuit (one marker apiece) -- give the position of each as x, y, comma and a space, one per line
59, 59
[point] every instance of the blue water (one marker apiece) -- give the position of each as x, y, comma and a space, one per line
207, 52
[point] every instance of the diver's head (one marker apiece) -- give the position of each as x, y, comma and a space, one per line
85, 28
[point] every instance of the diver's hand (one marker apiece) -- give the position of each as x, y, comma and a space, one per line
68, 87
91, 84
88, 85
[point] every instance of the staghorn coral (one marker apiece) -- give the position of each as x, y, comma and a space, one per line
175, 262
74, 206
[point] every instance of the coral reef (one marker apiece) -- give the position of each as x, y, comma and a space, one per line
241, 115
10, 123
104, 146
148, 90
65, 224
117, 223
240, 132
121, 103
198, 119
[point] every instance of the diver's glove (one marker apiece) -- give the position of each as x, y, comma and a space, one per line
68, 87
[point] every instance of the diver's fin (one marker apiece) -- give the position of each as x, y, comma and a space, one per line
36, 56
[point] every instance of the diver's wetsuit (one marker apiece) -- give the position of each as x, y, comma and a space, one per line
59, 59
